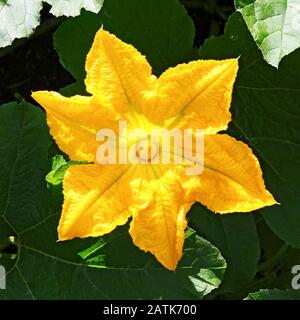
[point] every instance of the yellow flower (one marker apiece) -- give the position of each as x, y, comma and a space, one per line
98, 198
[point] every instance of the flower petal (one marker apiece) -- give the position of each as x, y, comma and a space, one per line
96, 200
231, 180
117, 71
75, 121
197, 94
159, 227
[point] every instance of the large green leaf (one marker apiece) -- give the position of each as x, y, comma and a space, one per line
73, 40
19, 18
236, 237
161, 30
47, 269
275, 294
266, 114
55, 270
274, 26
24, 163
145, 24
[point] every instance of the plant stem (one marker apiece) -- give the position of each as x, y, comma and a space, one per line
270, 263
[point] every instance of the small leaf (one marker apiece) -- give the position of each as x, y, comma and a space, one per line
84, 254
18, 19
274, 25
72, 8
59, 168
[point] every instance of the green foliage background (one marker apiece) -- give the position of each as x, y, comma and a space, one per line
225, 257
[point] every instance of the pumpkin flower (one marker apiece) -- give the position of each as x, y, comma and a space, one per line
157, 197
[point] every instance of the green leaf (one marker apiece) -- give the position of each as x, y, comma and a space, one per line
161, 30
52, 270
144, 24
111, 268
75, 88
84, 254
274, 26
18, 19
59, 168
236, 237
24, 144
266, 116
73, 40
275, 294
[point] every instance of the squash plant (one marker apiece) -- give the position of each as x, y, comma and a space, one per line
141, 229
